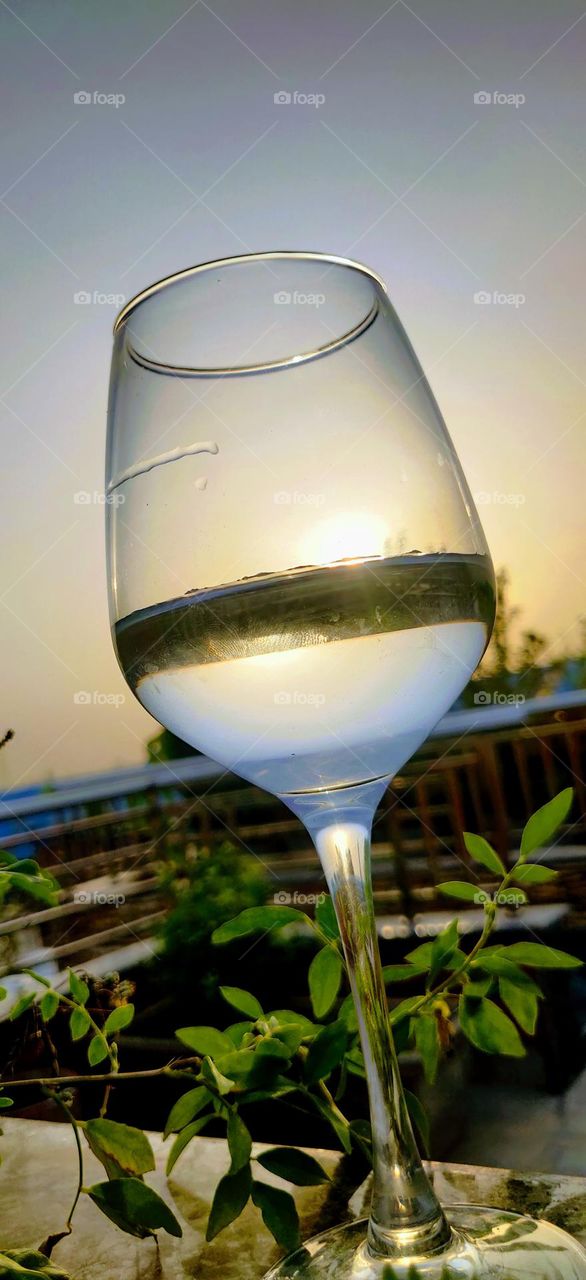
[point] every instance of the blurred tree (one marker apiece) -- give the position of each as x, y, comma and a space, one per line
166, 746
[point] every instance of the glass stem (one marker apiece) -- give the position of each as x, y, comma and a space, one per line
406, 1217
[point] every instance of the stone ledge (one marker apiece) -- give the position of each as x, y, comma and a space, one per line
38, 1177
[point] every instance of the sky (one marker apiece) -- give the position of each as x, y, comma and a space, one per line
439, 142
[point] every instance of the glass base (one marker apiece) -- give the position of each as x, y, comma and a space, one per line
485, 1243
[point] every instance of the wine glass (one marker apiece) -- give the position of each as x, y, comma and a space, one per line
300, 588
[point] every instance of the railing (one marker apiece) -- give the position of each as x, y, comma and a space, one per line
104, 837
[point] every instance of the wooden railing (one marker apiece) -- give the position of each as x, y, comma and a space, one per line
104, 839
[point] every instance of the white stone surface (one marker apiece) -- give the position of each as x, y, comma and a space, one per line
38, 1179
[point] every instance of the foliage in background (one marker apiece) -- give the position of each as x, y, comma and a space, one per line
204, 888
280, 1054
166, 746
523, 668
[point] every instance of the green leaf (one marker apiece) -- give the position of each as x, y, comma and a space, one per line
493, 961
27, 1264
463, 890
522, 1003
21, 1006
5, 1102
280, 1087
258, 920
420, 955
97, 1051
326, 1052
326, 918
403, 972
498, 966
238, 1066
230, 1198
419, 1118
218, 1082
427, 1044
347, 1014
206, 1041
354, 1061
49, 1005
291, 1036
423, 955
184, 1138
239, 1142
533, 873
279, 1214
293, 1165
479, 988
401, 1035
442, 949
271, 1047
118, 1019
489, 1029
78, 988
481, 851
79, 1023
237, 1031
539, 956
28, 867
403, 1010
543, 824
134, 1207
121, 1149
41, 888
325, 976
187, 1107
243, 1001
3, 993
288, 1017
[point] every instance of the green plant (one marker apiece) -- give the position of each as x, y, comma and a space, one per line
280, 1054
25, 878
204, 887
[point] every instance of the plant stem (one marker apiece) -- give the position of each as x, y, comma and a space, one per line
490, 911
73, 1122
108, 1077
443, 987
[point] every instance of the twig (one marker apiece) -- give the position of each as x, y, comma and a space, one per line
109, 1077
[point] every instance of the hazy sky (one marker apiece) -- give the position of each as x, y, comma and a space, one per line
398, 166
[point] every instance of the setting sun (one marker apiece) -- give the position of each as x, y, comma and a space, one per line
353, 535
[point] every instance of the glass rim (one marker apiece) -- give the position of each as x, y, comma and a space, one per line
213, 264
